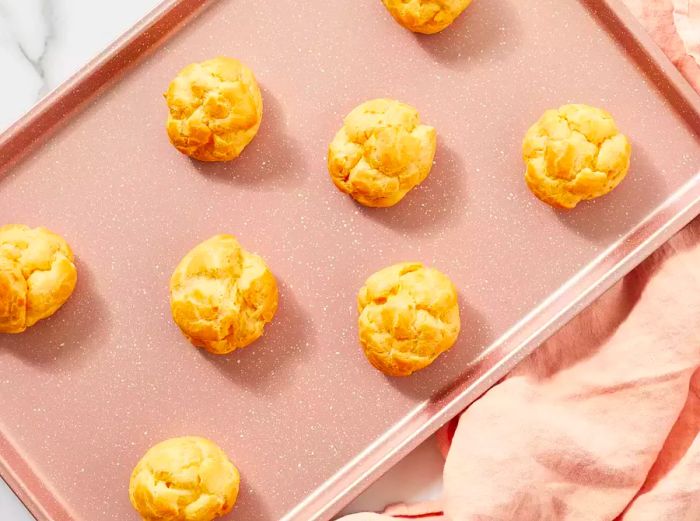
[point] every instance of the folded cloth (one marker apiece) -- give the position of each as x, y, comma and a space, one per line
671, 488
581, 428
675, 27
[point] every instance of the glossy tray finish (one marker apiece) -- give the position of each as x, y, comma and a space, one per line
307, 420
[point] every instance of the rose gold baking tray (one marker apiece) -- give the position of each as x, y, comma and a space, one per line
304, 416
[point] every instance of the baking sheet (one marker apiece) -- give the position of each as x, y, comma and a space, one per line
303, 415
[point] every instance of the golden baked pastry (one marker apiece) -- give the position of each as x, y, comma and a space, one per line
222, 296
184, 479
409, 315
215, 109
37, 275
426, 16
574, 153
381, 152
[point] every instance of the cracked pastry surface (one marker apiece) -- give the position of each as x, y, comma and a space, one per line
221, 295
37, 276
215, 109
184, 479
408, 316
426, 16
381, 152
574, 153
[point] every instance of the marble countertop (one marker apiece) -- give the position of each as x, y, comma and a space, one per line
43, 42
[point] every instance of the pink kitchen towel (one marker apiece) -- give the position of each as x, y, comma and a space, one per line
602, 422
675, 27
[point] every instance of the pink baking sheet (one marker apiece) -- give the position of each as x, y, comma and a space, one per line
308, 421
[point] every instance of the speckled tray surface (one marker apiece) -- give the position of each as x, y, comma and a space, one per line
309, 422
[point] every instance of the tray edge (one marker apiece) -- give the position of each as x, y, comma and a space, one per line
125, 52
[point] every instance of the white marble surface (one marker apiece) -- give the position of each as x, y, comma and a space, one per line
43, 42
